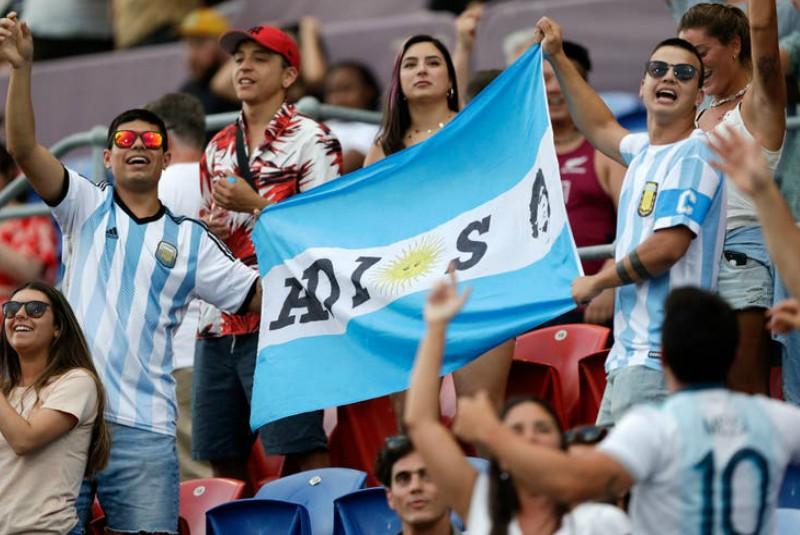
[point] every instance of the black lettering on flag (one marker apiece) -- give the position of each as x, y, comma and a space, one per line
308, 302
467, 245
364, 263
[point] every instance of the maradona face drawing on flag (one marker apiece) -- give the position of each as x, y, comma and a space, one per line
347, 265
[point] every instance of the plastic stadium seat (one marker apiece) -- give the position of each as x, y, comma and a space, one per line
789, 497
258, 517
263, 468
561, 347
315, 490
592, 384
788, 521
360, 431
776, 382
538, 380
364, 511
199, 495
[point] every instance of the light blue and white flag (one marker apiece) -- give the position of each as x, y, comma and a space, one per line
346, 267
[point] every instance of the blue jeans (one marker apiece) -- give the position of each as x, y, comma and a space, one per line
139, 487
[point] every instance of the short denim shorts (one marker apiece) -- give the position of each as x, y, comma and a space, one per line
139, 488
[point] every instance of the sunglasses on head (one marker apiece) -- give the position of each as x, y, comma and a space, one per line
396, 442
34, 309
125, 139
682, 71
588, 435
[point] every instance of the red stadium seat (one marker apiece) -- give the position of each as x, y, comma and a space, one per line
592, 378
539, 380
360, 431
560, 348
263, 468
199, 495
776, 382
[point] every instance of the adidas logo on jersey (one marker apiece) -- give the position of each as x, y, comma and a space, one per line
112, 233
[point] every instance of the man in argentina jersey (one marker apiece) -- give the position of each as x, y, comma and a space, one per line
131, 269
670, 221
707, 461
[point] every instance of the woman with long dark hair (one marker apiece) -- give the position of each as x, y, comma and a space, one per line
52, 431
743, 79
422, 98
491, 504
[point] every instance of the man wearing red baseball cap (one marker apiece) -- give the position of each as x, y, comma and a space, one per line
270, 153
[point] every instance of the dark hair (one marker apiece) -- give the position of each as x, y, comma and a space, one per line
539, 191
699, 336
394, 449
580, 55
68, 351
137, 114
722, 22
367, 78
479, 81
677, 42
503, 499
8, 167
183, 116
396, 117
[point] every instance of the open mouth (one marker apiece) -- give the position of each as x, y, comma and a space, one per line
245, 82
666, 95
137, 160
22, 329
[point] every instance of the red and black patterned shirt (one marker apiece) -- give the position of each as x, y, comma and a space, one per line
296, 154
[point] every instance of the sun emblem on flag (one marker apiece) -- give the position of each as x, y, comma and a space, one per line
414, 262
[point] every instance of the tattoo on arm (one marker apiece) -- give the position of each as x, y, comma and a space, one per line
638, 267
622, 272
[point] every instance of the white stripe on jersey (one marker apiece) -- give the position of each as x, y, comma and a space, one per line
708, 461
129, 282
687, 192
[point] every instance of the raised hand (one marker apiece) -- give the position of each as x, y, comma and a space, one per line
475, 417
548, 33
16, 41
741, 160
443, 301
466, 24
784, 317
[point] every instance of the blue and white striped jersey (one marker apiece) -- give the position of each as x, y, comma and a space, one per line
707, 461
129, 282
665, 186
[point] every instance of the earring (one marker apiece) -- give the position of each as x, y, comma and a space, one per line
451, 93
504, 476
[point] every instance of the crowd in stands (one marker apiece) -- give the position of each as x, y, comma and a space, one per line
132, 370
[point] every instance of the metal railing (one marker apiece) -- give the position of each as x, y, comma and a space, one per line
96, 139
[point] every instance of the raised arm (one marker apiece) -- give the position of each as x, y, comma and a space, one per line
45, 173
445, 461
764, 106
742, 162
588, 111
569, 479
466, 25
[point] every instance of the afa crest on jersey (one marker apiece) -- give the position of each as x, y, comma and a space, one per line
648, 201
167, 254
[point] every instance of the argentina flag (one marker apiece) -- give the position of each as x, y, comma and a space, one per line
346, 267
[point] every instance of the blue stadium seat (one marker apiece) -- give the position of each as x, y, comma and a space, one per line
258, 517
364, 511
789, 497
315, 490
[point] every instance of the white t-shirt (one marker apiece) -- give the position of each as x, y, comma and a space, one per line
129, 281
38, 490
585, 519
179, 190
707, 461
353, 135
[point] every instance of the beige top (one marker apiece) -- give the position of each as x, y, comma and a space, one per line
38, 490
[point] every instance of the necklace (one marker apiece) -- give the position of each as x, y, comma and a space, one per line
418, 131
738, 95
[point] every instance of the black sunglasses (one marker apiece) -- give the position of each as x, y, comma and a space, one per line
34, 309
396, 442
588, 435
682, 71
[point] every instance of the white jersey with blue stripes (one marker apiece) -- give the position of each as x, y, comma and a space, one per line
665, 186
129, 282
708, 461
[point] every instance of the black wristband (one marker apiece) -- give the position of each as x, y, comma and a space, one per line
638, 267
622, 273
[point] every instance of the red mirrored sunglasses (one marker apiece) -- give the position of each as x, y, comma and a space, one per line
125, 139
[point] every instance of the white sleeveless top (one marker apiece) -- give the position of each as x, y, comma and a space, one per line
741, 210
586, 519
